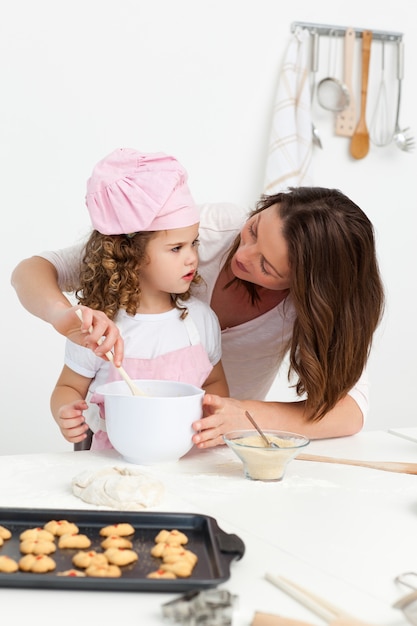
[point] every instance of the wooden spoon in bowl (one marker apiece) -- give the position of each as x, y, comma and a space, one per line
133, 388
359, 145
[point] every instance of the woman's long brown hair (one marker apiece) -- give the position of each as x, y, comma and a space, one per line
336, 289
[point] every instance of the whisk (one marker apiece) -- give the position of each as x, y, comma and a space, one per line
379, 131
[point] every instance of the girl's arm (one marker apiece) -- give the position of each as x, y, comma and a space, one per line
216, 382
226, 414
68, 403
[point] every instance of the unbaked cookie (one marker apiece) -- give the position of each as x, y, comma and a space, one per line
115, 541
5, 533
160, 573
37, 563
8, 565
61, 527
37, 546
186, 555
120, 556
183, 568
74, 541
85, 559
36, 533
175, 537
104, 571
122, 530
74, 573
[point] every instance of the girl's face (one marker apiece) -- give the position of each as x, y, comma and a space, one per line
172, 261
262, 257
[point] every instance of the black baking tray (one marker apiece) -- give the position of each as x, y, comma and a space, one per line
215, 549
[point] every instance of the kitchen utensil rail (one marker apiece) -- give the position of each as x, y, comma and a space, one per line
339, 31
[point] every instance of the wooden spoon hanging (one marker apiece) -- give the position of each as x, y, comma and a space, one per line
359, 146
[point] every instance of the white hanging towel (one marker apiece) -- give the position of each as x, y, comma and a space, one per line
290, 145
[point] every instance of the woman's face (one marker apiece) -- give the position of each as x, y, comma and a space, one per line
262, 257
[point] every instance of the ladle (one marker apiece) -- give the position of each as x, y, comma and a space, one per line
133, 388
332, 93
268, 442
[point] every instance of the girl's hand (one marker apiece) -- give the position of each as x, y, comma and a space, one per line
68, 323
70, 420
220, 416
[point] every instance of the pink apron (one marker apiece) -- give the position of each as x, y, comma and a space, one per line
188, 365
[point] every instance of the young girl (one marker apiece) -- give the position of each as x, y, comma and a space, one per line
138, 266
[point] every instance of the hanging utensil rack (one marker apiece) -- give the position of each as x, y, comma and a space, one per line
339, 31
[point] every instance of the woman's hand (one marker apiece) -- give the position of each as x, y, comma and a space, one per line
94, 327
221, 415
70, 420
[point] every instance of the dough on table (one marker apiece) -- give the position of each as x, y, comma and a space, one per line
118, 488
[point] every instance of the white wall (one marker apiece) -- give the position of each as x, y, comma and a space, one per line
197, 79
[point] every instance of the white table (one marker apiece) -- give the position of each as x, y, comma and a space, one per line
343, 532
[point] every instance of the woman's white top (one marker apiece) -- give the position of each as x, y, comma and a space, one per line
253, 352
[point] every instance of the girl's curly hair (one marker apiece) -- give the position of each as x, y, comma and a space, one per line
110, 273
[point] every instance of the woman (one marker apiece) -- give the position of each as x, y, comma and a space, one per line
299, 274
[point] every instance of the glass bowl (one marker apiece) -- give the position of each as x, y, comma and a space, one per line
261, 462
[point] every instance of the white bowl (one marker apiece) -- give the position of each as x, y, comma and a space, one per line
155, 428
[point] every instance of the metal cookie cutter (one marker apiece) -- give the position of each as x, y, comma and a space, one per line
213, 607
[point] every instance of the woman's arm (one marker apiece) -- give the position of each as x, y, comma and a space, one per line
51, 305
35, 281
226, 414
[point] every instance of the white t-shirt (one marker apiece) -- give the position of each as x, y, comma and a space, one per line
251, 352
149, 336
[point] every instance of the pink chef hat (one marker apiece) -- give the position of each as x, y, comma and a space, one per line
130, 191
